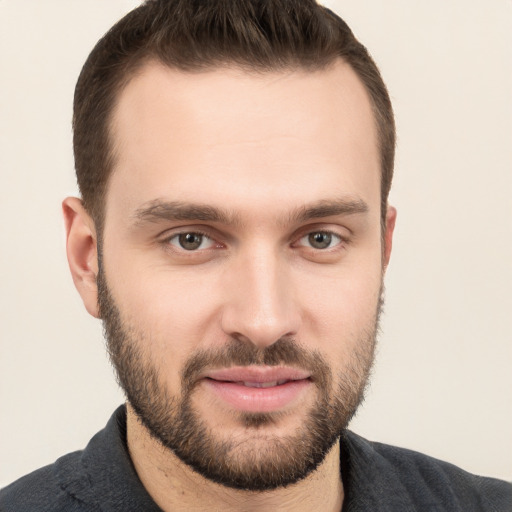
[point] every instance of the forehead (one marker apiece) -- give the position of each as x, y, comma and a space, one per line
228, 135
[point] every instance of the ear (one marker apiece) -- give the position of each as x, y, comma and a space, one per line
82, 252
388, 234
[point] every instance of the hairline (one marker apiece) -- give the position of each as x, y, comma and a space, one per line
140, 63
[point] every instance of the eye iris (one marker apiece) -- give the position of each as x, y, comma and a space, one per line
320, 240
190, 241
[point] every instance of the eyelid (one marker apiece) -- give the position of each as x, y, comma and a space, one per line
330, 233
219, 240
341, 232
205, 240
166, 237
181, 230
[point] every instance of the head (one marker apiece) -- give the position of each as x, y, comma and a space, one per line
234, 160
195, 36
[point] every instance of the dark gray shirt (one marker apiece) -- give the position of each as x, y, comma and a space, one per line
376, 477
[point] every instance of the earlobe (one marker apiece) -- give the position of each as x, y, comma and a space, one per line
82, 252
388, 235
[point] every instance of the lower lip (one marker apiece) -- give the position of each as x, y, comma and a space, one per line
249, 399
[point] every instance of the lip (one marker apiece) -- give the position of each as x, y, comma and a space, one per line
228, 385
257, 374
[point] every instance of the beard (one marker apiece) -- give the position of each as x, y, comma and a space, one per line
257, 461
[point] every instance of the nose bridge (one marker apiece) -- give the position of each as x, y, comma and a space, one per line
260, 306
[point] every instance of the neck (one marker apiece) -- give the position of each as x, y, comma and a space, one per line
175, 486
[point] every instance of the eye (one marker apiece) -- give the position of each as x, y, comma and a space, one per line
191, 241
320, 240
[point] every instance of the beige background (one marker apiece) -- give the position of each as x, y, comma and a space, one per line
443, 379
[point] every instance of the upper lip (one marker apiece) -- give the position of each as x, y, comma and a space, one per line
259, 374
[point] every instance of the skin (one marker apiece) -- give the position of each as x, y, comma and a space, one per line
261, 148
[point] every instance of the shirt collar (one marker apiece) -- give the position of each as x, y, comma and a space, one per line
104, 474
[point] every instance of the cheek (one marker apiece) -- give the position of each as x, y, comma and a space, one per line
166, 318
342, 312
173, 309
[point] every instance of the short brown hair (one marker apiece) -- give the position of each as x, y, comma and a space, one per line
195, 35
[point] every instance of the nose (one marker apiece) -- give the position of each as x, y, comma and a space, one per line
260, 306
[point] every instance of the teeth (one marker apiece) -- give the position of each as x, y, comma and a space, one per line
263, 384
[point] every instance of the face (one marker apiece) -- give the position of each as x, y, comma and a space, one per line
241, 264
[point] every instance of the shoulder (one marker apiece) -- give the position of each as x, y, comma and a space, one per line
427, 480
44, 489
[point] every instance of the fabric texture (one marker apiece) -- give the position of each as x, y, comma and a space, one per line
376, 478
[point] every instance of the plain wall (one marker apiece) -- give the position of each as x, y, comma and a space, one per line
442, 382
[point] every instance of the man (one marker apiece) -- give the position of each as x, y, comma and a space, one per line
234, 161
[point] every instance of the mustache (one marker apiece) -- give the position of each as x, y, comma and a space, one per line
241, 352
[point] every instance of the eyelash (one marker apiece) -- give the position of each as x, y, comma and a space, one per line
343, 241
168, 239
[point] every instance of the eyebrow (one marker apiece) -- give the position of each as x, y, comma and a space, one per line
159, 210
329, 208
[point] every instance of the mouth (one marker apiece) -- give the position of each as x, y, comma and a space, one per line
269, 384
255, 375
258, 389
